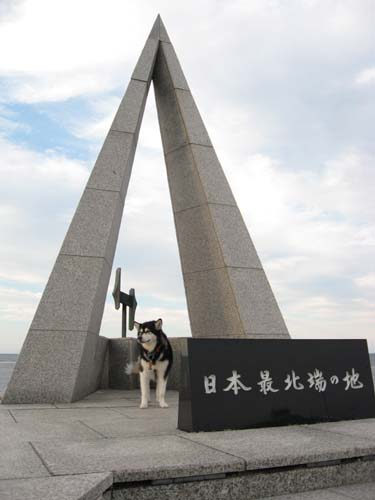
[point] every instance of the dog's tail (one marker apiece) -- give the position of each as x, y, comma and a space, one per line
132, 368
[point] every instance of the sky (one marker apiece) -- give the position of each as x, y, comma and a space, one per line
287, 92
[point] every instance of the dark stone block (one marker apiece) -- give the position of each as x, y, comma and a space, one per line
244, 383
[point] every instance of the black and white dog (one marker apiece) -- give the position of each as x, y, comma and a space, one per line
155, 361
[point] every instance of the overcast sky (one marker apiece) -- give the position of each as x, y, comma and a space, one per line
287, 92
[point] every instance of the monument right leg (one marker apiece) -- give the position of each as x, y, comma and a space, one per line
227, 291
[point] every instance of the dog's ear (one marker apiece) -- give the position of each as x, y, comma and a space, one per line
158, 324
137, 325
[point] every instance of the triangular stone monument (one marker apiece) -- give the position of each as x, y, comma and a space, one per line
227, 291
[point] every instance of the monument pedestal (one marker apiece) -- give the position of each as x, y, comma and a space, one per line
243, 383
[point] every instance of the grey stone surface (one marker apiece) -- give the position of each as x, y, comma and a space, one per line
194, 126
364, 491
285, 446
197, 240
163, 35
184, 182
93, 230
27, 406
5, 417
235, 243
145, 65
361, 428
72, 299
153, 413
257, 306
64, 415
172, 129
174, 67
257, 485
135, 459
19, 460
114, 164
82, 487
212, 177
130, 112
280, 461
211, 305
237, 301
45, 356
121, 352
15, 433
91, 366
330, 494
123, 426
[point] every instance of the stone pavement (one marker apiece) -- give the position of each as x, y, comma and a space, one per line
106, 447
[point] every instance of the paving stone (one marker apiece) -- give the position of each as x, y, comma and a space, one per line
152, 413
5, 417
28, 406
19, 460
117, 403
29, 431
81, 487
134, 459
64, 415
330, 494
124, 426
364, 491
362, 428
284, 446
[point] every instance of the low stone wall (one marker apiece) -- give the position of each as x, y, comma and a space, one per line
124, 350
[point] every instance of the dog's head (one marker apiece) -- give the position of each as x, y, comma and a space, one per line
148, 333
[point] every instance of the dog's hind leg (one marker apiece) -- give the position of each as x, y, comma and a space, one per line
161, 388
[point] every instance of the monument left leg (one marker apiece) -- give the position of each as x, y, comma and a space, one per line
59, 358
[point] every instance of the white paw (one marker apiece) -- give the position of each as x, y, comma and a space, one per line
163, 404
144, 404
129, 368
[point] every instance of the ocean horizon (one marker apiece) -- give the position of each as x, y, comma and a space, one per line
8, 361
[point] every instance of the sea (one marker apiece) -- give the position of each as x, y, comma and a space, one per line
8, 361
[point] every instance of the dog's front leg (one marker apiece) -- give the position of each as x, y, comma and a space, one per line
145, 388
161, 388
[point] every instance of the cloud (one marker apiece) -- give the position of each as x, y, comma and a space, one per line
274, 84
366, 77
367, 281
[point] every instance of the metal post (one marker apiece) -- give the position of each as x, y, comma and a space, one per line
123, 329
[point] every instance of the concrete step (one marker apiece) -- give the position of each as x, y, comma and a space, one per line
105, 446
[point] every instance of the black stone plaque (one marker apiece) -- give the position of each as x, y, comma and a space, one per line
244, 383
